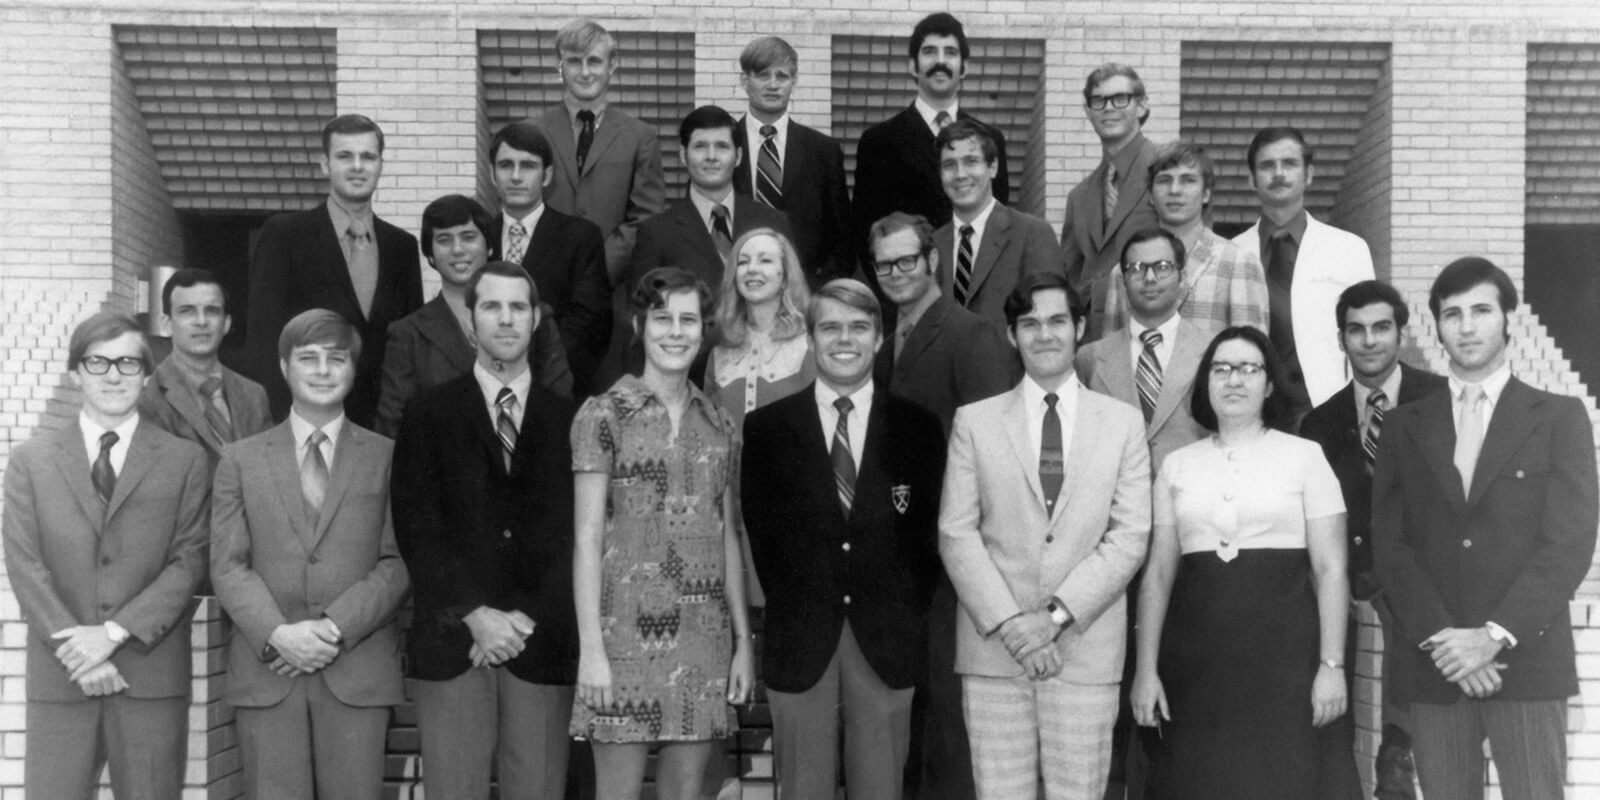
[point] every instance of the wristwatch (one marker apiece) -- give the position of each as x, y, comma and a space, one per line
116, 633
1059, 613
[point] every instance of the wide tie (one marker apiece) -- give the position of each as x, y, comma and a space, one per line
1469, 434
585, 136
941, 120
1281, 254
1052, 460
363, 266
518, 246
505, 424
844, 464
721, 233
963, 281
104, 477
1148, 375
769, 173
314, 474
1376, 403
1108, 193
216, 408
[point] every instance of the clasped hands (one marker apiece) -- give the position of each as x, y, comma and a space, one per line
497, 636
1030, 639
85, 654
304, 647
1466, 657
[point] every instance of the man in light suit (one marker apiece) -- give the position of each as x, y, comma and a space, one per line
608, 164
986, 247
1307, 262
1372, 318
1113, 201
807, 165
339, 256
840, 494
192, 395
1045, 519
482, 489
105, 545
303, 559
1483, 524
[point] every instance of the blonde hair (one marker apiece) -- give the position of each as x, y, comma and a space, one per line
733, 313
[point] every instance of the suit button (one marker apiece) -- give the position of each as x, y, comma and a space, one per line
506, 534
106, 607
313, 559
1049, 537
1466, 542
845, 547
1519, 474
105, 561
1358, 541
847, 599
1228, 497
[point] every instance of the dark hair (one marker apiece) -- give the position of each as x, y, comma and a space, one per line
319, 326
900, 221
708, 118
1465, 274
1275, 134
939, 24
653, 288
185, 278
1365, 293
504, 269
525, 137
1106, 72
1150, 235
962, 130
103, 327
347, 125
450, 211
1182, 153
1020, 301
1274, 408
768, 51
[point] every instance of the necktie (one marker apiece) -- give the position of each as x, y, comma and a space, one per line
216, 408
844, 464
1148, 375
585, 136
721, 234
518, 246
314, 474
1469, 434
1280, 277
505, 425
941, 120
363, 264
769, 173
963, 280
101, 473
1369, 442
1108, 193
1052, 461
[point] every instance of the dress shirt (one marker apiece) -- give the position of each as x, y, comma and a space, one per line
572, 116
1492, 387
343, 218
1066, 408
703, 204
1169, 341
528, 223
1296, 226
302, 431
978, 223
92, 431
929, 112
1391, 390
491, 385
862, 398
780, 140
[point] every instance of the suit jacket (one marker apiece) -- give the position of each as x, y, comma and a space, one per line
1006, 556
1013, 244
621, 185
473, 534
566, 257
897, 169
876, 568
952, 357
137, 560
169, 403
1511, 551
1329, 261
428, 348
1106, 366
814, 199
1336, 426
297, 265
1091, 247
271, 564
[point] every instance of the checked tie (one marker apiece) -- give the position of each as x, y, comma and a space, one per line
518, 246
844, 464
505, 425
1148, 376
769, 173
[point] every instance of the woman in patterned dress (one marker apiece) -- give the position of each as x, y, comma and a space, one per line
663, 631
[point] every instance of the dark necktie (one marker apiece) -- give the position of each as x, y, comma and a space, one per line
769, 173
1148, 376
1052, 460
104, 477
844, 464
314, 474
1375, 406
216, 408
505, 425
585, 136
941, 120
721, 233
1108, 193
1281, 253
963, 280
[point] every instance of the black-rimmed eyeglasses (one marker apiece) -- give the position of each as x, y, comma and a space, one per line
1118, 100
100, 365
1151, 270
905, 265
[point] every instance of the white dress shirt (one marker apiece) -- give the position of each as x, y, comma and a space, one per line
491, 386
302, 431
1169, 342
1066, 408
528, 223
928, 113
780, 140
862, 399
1492, 387
703, 204
92, 432
1391, 390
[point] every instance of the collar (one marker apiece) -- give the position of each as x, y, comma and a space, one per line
491, 384
303, 429
978, 221
862, 398
92, 431
703, 203
910, 317
1033, 394
630, 394
1296, 226
1492, 385
1168, 330
1390, 387
1123, 159
530, 222
573, 109
193, 378
928, 112
344, 217
753, 131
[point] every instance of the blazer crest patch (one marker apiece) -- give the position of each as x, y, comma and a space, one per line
901, 495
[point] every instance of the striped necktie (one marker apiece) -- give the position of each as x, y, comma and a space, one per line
844, 464
215, 407
769, 173
505, 425
1148, 376
963, 281
1376, 402
1108, 193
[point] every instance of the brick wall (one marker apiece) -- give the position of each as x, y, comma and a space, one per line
1364, 193
144, 226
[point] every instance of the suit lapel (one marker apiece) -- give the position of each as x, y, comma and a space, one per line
1085, 434
184, 401
437, 323
346, 454
1022, 443
817, 461
1514, 417
328, 242
558, 126
1098, 231
141, 455
605, 134
249, 416
1178, 374
870, 479
283, 461
1113, 367
694, 233
476, 406
996, 237
73, 462
1436, 439
922, 336
794, 160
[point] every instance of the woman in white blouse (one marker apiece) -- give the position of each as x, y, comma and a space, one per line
764, 353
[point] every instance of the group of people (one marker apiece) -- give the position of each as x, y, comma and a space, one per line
1015, 513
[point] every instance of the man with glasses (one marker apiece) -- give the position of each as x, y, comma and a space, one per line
1113, 201
105, 534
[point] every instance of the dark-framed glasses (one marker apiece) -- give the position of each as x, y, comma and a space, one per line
905, 265
1151, 270
100, 365
1222, 370
1118, 100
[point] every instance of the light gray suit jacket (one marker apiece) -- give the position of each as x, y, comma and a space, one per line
1106, 366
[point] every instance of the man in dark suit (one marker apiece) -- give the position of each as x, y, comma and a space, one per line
337, 256
1483, 524
482, 490
105, 529
303, 559
790, 167
986, 247
841, 497
897, 165
1372, 317
564, 254
1113, 201
192, 395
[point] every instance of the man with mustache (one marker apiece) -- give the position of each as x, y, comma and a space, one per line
1308, 263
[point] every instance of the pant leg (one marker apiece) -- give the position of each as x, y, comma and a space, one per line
347, 744
1003, 726
275, 745
805, 737
1528, 741
1075, 725
147, 742
1447, 741
877, 726
532, 757
64, 749
944, 765
457, 728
